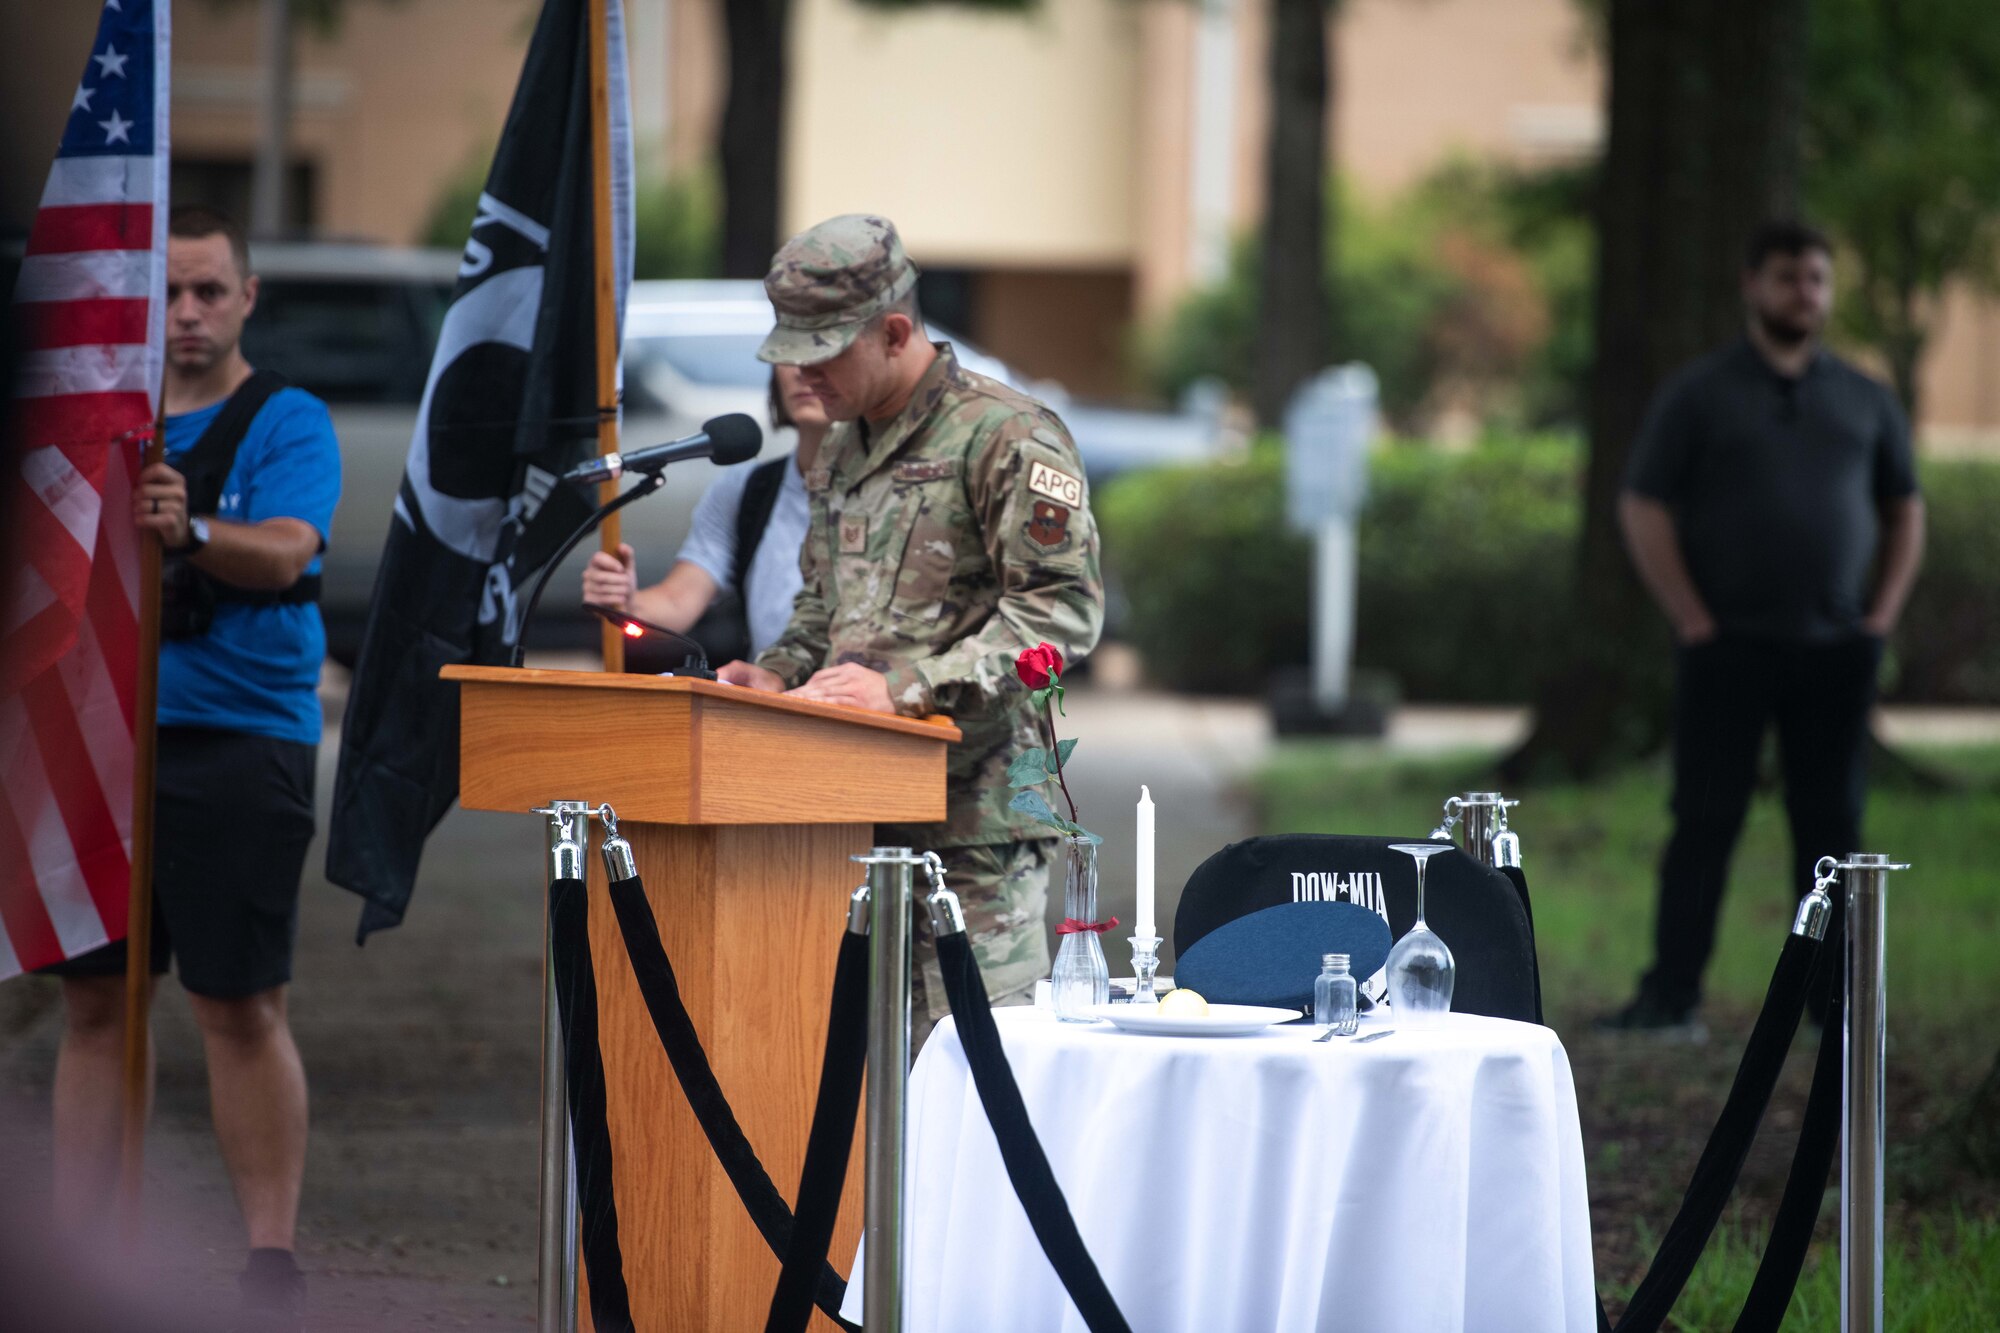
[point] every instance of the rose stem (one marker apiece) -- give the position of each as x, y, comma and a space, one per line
1060, 780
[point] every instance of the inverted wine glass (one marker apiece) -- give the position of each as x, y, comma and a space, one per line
1420, 969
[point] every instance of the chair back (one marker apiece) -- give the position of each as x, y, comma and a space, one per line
1480, 913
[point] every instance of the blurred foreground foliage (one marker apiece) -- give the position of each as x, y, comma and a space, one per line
1466, 561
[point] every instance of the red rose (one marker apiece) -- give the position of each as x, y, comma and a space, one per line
1035, 666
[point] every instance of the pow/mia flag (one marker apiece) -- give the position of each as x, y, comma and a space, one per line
510, 404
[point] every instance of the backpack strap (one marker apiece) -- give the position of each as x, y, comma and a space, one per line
753, 515
206, 465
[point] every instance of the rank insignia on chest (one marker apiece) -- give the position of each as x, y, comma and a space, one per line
853, 535
1049, 525
926, 469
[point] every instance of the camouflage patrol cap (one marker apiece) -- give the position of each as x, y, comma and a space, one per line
828, 282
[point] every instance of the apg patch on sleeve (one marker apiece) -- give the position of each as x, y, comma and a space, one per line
1058, 485
1049, 525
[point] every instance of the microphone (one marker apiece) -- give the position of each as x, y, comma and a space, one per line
734, 438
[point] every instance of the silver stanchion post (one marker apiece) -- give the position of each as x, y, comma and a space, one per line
1863, 1094
1480, 821
889, 899
555, 1259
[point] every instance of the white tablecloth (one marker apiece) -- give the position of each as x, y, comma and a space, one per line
1429, 1182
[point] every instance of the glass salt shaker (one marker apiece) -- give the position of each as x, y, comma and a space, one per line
1333, 996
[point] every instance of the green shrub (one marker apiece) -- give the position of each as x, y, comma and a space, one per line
1465, 565
1947, 649
1210, 572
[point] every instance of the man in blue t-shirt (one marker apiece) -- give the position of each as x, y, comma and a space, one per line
239, 727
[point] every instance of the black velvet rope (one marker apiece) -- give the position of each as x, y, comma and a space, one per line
1021, 1152
676, 1031
590, 1131
1722, 1159
1812, 1162
829, 1143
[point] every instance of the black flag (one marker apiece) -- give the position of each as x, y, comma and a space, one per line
511, 403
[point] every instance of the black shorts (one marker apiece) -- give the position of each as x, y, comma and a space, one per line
232, 818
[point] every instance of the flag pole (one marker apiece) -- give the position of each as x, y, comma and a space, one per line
612, 641
139, 908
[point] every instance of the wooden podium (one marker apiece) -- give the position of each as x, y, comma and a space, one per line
742, 809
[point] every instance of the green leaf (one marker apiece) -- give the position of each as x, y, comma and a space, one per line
1059, 699
1029, 768
1041, 697
1076, 830
1062, 753
1030, 803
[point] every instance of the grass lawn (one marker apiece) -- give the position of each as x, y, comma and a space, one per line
1647, 1107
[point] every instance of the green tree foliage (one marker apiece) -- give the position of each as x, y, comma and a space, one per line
1471, 290
1902, 143
674, 220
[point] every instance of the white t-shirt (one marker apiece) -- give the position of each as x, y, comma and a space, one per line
774, 571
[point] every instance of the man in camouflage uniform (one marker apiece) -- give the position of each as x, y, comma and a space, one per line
950, 530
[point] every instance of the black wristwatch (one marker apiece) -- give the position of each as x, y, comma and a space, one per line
197, 536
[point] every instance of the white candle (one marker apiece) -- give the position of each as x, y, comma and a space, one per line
1144, 928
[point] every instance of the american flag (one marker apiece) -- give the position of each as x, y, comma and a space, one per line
90, 306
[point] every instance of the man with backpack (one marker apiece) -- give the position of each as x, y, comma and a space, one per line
241, 506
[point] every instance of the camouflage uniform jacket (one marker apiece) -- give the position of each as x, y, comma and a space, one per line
943, 542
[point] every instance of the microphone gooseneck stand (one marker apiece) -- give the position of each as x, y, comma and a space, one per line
653, 482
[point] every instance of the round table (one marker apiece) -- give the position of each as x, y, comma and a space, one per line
1428, 1182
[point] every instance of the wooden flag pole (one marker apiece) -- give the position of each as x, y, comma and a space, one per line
611, 638
139, 908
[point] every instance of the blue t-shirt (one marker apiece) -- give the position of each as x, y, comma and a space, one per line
257, 668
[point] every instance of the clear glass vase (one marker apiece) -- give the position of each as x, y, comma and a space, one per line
1080, 980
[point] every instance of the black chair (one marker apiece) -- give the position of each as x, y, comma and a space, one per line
1482, 914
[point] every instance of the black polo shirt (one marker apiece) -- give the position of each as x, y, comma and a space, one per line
1775, 484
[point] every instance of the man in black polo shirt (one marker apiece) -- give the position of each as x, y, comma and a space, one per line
1772, 510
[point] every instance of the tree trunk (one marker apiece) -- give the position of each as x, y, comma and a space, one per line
1907, 331
753, 122
1705, 104
1292, 339
268, 172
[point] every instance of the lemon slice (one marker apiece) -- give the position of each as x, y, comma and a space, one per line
1184, 1003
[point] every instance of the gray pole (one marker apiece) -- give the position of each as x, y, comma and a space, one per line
267, 179
1863, 1094
885, 1239
1333, 612
555, 1258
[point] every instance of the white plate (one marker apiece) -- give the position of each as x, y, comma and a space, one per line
1221, 1020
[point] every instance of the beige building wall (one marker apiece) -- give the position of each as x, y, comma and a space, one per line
1052, 154
991, 138
389, 108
